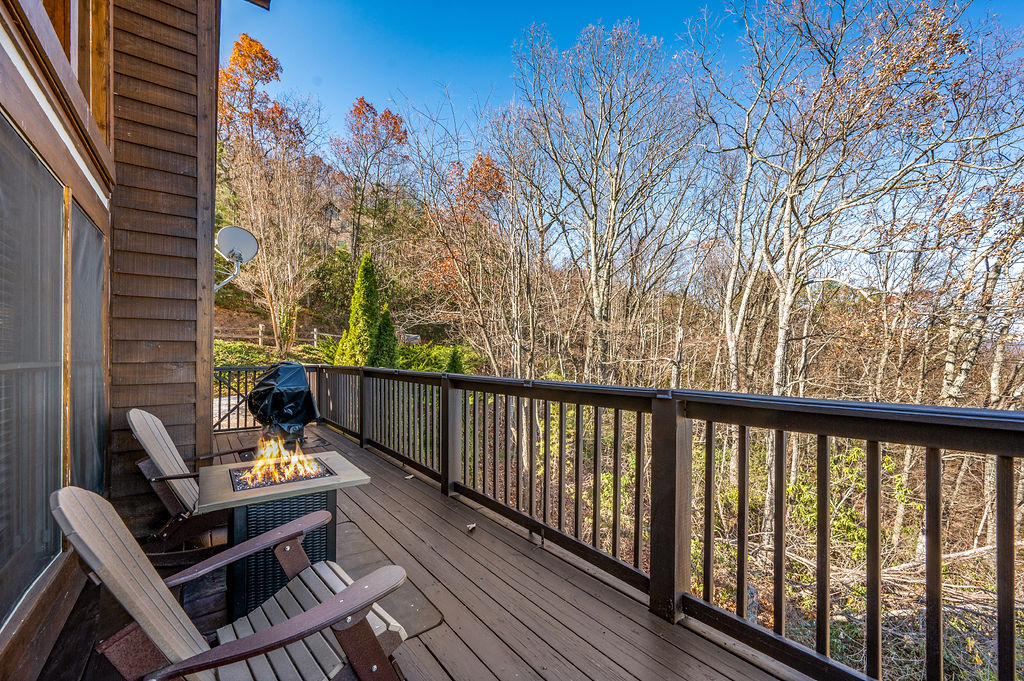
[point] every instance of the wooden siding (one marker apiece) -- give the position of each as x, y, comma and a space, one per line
161, 274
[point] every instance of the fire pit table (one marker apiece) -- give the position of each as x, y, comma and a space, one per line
259, 508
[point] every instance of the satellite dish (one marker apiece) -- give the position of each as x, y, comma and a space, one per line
237, 244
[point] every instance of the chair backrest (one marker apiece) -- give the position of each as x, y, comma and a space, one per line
103, 541
150, 432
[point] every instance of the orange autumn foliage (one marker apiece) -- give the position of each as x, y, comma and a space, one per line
244, 107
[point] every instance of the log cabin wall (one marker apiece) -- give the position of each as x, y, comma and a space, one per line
165, 69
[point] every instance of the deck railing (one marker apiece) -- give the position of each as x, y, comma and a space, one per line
231, 385
608, 473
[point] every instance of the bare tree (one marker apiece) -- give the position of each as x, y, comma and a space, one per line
616, 132
274, 183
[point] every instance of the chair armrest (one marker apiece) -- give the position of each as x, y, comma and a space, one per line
353, 602
204, 457
176, 476
279, 535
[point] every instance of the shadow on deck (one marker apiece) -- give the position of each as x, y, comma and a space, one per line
512, 609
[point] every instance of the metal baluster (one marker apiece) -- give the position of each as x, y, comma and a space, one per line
709, 511
547, 461
402, 420
406, 443
486, 458
435, 428
578, 469
532, 430
824, 522
473, 455
561, 466
518, 453
638, 501
596, 532
617, 482
220, 400
465, 437
494, 445
416, 425
508, 468
873, 627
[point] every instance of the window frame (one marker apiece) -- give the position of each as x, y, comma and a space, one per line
69, 130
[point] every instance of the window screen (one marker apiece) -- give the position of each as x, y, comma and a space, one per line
31, 275
88, 408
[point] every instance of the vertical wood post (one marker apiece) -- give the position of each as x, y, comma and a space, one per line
671, 498
933, 563
873, 507
451, 439
316, 337
365, 401
260, 336
1005, 553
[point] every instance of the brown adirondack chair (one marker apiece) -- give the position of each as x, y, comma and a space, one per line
322, 626
176, 485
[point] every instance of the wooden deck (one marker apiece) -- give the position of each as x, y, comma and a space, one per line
512, 609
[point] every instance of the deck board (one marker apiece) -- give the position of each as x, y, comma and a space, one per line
512, 609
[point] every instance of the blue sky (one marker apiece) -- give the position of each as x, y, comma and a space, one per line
391, 50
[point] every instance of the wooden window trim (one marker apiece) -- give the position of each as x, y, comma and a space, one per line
22, 107
29, 22
36, 622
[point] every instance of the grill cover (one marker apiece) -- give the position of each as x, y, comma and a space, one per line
282, 399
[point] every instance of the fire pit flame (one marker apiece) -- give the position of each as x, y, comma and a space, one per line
276, 463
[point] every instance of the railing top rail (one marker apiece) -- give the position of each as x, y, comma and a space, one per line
987, 431
959, 428
500, 381
964, 416
263, 367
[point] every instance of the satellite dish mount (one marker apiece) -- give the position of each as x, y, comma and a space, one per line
237, 246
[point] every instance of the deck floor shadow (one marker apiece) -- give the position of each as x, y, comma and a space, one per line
512, 609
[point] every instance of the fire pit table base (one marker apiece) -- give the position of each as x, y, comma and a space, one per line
253, 580
255, 510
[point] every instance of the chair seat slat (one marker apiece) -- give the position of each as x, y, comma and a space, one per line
279, 658
236, 671
306, 600
322, 651
259, 666
299, 652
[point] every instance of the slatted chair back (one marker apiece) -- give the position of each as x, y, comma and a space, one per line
103, 541
150, 432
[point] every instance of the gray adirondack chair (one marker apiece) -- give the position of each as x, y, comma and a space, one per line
176, 486
322, 626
